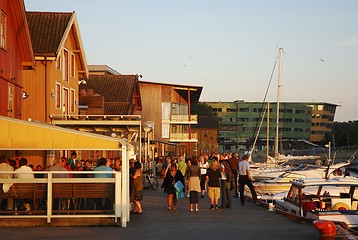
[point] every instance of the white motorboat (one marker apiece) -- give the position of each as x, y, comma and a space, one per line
334, 199
276, 188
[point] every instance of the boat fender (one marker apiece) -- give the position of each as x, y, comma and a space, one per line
341, 206
325, 227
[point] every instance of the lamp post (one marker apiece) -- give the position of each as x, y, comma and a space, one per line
149, 126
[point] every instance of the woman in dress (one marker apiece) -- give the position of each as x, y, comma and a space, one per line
193, 183
137, 192
170, 179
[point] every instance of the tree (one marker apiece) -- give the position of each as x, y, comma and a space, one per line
201, 109
345, 133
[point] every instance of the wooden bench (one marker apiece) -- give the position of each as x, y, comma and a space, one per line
75, 192
26, 191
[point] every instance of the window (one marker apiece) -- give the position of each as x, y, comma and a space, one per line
65, 101
11, 103
72, 65
65, 65
58, 95
3, 29
72, 101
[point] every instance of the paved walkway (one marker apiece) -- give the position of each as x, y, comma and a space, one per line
240, 222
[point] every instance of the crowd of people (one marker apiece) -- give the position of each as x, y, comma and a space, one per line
216, 174
63, 164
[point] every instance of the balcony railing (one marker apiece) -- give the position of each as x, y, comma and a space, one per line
184, 119
183, 137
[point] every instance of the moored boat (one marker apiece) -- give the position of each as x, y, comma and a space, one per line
333, 199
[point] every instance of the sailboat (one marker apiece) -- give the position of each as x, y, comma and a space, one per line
275, 177
272, 167
277, 165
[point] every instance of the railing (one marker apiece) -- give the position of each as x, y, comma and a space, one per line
50, 188
183, 119
183, 137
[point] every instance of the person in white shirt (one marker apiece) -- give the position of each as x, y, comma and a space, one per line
24, 171
244, 179
5, 167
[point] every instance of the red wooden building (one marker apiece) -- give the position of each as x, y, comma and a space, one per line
16, 56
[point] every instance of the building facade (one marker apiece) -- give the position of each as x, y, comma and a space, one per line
168, 107
240, 121
60, 65
16, 57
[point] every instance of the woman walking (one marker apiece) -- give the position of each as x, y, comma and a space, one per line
193, 183
137, 193
203, 169
170, 179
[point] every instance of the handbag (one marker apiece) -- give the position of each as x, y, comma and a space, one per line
179, 189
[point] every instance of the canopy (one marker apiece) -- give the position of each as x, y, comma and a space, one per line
23, 135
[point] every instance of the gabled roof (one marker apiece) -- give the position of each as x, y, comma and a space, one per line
49, 32
118, 91
195, 91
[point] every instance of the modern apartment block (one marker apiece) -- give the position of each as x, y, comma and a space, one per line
240, 121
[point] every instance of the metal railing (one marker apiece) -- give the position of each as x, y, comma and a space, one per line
50, 180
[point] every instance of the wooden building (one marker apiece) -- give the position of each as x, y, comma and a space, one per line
52, 89
16, 57
207, 133
60, 65
168, 107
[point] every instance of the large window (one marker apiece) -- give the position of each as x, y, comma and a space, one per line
72, 100
11, 104
65, 65
3, 29
72, 65
66, 95
58, 95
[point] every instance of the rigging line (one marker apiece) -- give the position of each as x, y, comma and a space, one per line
263, 101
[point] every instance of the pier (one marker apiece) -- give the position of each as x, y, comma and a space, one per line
250, 221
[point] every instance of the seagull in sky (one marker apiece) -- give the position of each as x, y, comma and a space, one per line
321, 60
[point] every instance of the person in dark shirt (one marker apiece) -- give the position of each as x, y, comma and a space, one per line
234, 164
213, 176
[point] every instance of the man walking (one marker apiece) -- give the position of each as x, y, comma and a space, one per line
244, 178
234, 164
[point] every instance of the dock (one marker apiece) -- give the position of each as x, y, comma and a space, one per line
250, 221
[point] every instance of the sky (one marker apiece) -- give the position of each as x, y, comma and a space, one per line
229, 47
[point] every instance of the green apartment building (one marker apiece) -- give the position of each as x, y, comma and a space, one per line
240, 121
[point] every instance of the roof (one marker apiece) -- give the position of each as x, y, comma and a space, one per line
208, 122
50, 30
101, 70
117, 91
47, 30
195, 91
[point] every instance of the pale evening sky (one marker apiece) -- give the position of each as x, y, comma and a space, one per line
228, 47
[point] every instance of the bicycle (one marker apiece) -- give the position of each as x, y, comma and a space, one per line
150, 182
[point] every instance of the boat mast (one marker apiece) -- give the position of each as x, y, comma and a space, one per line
267, 132
278, 102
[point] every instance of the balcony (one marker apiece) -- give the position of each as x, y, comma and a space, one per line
183, 119
183, 137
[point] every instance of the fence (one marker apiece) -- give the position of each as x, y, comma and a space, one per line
52, 192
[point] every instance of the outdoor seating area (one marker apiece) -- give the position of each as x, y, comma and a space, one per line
49, 198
